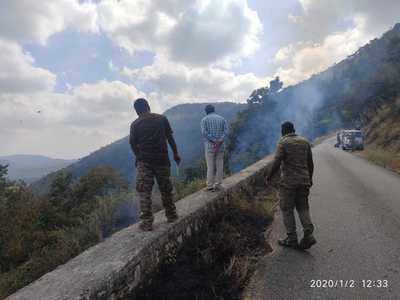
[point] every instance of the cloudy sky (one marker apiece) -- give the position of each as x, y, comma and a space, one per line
69, 69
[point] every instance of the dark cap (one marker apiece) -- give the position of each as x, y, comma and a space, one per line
287, 127
209, 109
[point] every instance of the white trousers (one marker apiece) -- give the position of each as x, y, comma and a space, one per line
215, 168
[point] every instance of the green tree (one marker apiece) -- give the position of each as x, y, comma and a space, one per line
197, 171
61, 193
38, 234
100, 181
3, 177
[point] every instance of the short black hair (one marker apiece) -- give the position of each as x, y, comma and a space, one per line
209, 109
287, 127
141, 105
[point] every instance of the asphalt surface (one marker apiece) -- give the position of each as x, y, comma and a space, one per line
355, 207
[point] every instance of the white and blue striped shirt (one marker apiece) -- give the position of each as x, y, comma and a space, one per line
214, 128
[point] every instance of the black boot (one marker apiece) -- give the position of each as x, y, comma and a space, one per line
307, 241
145, 226
289, 242
172, 218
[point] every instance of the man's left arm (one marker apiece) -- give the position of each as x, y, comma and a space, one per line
171, 141
133, 141
310, 163
279, 155
226, 130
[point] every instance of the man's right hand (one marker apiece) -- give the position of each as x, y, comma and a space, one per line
217, 145
177, 159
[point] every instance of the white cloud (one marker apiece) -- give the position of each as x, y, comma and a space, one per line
17, 72
198, 32
284, 54
305, 59
105, 104
196, 44
323, 17
36, 21
87, 117
176, 83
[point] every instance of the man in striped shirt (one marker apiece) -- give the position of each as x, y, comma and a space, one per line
214, 129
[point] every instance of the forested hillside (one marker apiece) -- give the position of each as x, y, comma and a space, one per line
349, 94
39, 233
185, 121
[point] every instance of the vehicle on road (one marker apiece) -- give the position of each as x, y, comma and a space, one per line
350, 139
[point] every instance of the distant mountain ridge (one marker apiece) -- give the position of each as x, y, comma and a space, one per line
29, 168
185, 122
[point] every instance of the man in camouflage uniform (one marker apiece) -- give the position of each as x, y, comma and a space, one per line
294, 157
148, 139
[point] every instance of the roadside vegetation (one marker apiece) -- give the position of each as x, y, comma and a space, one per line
192, 180
383, 136
383, 158
217, 262
40, 232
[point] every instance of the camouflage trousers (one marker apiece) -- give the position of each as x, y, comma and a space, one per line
144, 185
291, 198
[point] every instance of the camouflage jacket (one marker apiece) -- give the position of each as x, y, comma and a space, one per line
294, 157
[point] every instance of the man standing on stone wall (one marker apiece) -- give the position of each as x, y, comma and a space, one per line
148, 138
294, 157
214, 129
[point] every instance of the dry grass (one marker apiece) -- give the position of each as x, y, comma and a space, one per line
383, 137
183, 189
263, 202
383, 158
383, 132
218, 262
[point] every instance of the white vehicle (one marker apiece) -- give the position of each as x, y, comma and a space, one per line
350, 140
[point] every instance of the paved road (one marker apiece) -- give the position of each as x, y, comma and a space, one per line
356, 209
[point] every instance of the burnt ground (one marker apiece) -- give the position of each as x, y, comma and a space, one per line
215, 263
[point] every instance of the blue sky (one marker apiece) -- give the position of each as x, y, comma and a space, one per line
81, 63
79, 58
